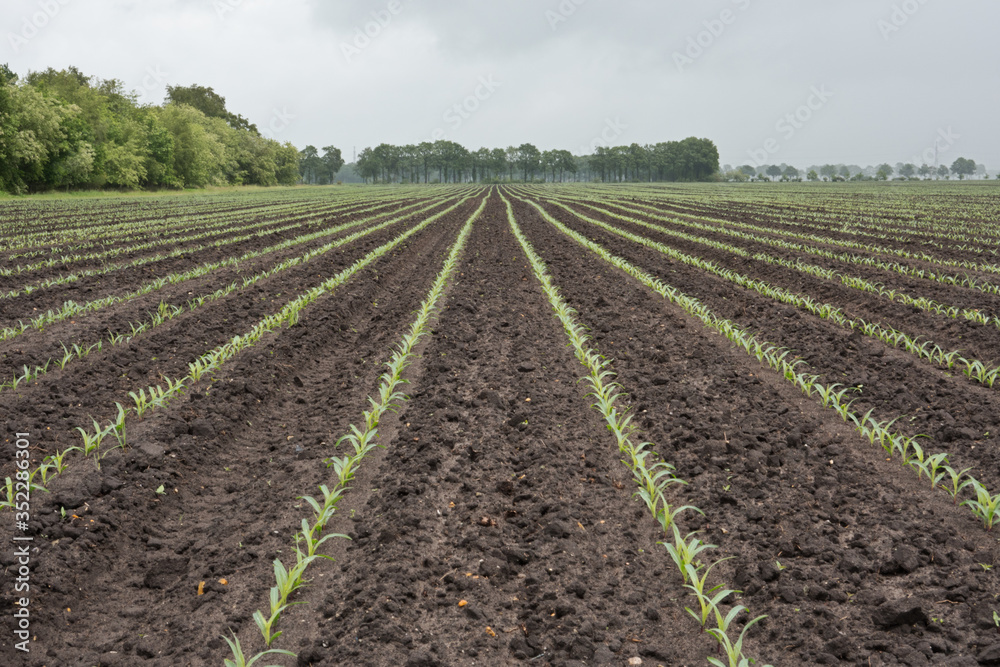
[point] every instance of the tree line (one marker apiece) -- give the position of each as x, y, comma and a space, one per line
63, 129
962, 168
443, 161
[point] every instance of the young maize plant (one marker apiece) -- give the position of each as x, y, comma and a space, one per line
685, 553
57, 462
956, 485
142, 402
8, 500
984, 506
91, 441
240, 660
363, 441
734, 651
708, 604
652, 479
118, 425
933, 467
66, 358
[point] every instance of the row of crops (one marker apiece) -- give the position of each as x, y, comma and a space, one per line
876, 307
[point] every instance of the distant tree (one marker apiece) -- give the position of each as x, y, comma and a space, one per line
925, 171
812, 175
943, 172
498, 162
480, 164
828, 171
844, 171
773, 171
319, 170
333, 160
908, 170
749, 171
790, 172
511, 153
529, 160
963, 167
884, 171
367, 165
548, 163
565, 163
309, 164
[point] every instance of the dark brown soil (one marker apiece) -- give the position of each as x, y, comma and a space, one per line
519, 508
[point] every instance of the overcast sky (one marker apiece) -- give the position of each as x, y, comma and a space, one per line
865, 81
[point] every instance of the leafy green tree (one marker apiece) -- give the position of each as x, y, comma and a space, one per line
790, 172
286, 162
66, 129
125, 155
908, 170
773, 171
942, 172
31, 135
368, 165
925, 171
565, 163
498, 162
333, 160
963, 167
315, 169
209, 103
7, 76
198, 154
529, 160
548, 163
812, 175
310, 165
